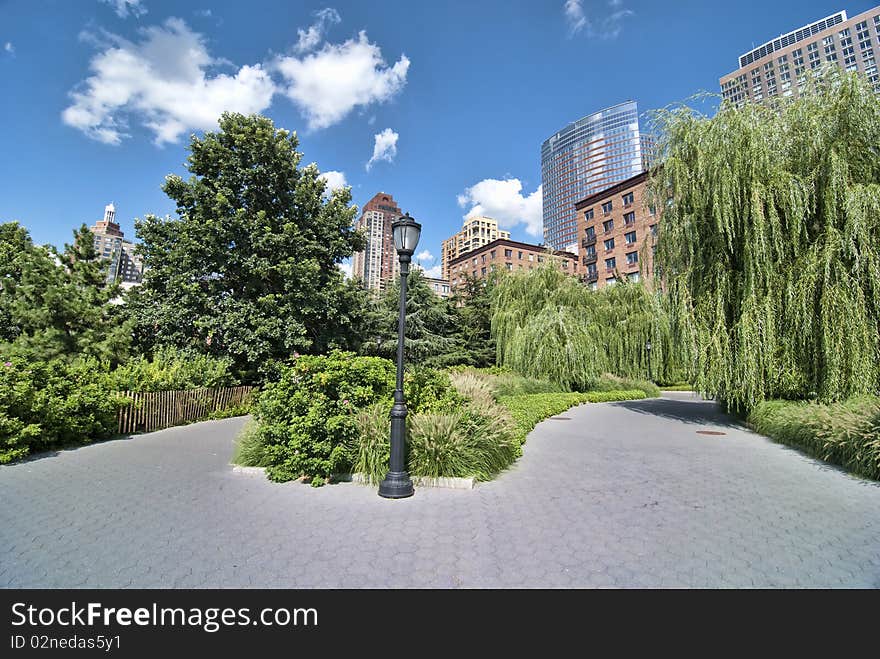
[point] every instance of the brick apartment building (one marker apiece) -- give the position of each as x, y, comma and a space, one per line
504, 254
618, 233
378, 264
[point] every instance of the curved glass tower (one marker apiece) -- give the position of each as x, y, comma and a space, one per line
587, 156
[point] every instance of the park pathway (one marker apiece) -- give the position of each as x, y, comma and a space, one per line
626, 494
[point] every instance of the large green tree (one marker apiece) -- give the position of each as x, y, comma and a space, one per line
770, 241
57, 304
547, 324
249, 267
473, 301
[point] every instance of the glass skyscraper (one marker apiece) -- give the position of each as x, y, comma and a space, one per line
585, 157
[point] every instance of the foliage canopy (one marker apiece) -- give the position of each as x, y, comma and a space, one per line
770, 242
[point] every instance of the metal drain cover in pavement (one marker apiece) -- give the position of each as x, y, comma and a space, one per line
710, 432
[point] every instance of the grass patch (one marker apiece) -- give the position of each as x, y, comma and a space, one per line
846, 433
608, 382
677, 387
528, 410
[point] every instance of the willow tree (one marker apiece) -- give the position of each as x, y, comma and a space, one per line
547, 324
770, 241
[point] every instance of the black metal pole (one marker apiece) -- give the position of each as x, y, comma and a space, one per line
650, 374
397, 483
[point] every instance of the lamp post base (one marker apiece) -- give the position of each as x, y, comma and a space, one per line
397, 485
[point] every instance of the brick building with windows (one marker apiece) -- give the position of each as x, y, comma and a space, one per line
776, 69
618, 232
378, 264
509, 255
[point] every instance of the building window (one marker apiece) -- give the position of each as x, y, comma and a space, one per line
630, 237
610, 263
519, 255
628, 199
629, 218
492, 254
591, 232
609, 244
483, 271
482, 258
653, 228
608, 225
610, 281
590, 251
588, 214
607, 207
633, 276
632, 258
509, 266
540, 259
531, 257
565, 263
508, 253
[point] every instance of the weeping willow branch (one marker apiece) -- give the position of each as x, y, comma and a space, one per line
770, 242
547, 324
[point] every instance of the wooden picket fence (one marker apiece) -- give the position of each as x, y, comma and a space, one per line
154, 410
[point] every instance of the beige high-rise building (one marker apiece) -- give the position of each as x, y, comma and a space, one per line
776, 68
476, 232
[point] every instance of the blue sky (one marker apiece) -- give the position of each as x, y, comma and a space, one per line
452, 98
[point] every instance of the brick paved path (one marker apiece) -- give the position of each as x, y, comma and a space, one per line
623, 494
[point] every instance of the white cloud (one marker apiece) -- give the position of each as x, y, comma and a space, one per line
335, 180
328, 84
504, 201
602, 23
425, 255
310, 38
384, 147
433, 271
162, 82
9, 48
125, 7
346, 267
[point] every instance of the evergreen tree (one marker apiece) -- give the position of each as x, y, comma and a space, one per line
431, 325
57, 304
473, 301
249, 268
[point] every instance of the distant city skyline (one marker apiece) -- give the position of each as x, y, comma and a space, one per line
428, 104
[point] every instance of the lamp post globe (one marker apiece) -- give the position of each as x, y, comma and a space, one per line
397, 483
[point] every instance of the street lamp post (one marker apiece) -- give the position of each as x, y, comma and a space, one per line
648, 348
397, 483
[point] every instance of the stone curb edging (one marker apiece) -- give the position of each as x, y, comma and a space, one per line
361, 479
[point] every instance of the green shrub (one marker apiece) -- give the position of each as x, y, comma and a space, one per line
846, 433
530, 409
50, 404
307, 418
172, 370
678, 386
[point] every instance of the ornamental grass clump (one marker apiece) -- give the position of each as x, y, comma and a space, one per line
845, 433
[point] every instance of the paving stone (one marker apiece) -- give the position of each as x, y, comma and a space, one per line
623, 495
